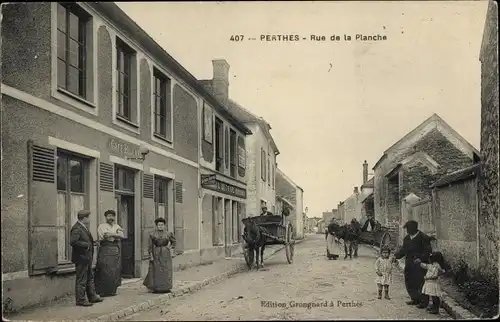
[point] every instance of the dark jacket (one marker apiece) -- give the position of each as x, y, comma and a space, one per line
82, 244
418, 247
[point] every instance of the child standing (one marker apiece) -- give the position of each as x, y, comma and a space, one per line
431, 286
383, 268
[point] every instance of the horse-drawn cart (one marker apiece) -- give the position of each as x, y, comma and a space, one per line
275, 230
379, 236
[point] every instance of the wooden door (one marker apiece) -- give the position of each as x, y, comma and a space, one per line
125, 206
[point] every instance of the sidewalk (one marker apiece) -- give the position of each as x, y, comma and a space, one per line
133, 297
447, 302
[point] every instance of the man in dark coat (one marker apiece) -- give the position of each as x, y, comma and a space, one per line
82, 244
356, 232
415, 245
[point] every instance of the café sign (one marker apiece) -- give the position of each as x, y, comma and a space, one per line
123, 149
211, 183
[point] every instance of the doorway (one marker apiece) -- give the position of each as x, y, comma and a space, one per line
125, 205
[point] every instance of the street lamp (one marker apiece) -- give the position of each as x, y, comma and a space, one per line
143, 150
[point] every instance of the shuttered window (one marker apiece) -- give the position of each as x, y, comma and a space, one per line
226, 147
241, 156
42, 209
263, 164
178, 220
72, 196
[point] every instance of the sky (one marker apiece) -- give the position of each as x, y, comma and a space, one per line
333, 104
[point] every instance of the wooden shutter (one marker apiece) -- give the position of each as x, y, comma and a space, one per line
178, 219
149, 211
106, 177
42, 208
226, 147
241, 156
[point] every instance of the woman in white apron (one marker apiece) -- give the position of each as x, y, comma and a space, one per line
333, 244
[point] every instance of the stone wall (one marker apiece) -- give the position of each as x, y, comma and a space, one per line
488, 183
455, 216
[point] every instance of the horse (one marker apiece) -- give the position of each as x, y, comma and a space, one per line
255, 240
350, 236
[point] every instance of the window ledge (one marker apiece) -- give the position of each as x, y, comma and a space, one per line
126, 121
160, 139
75, 97
126, 124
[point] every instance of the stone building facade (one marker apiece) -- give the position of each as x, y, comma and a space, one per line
286, 188
416, 161
84, 92
488, 183
223, 170
260, 149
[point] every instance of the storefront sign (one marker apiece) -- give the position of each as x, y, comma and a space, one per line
208, 179
123, 149
226, 188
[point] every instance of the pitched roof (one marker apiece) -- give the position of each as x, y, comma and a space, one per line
366, 196
433, 119
245, 116
457, 176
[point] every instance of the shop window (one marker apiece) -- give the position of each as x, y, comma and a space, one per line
162, 107
73, 74
233, 153
72, 197
126, 91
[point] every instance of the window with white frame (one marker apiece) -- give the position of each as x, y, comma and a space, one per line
162, 106
126, 88
72, 196
74, 72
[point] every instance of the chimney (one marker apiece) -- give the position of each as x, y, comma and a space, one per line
365, 172
220, 81
356, 190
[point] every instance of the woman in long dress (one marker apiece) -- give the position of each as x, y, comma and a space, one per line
333, 248
108, 267
161, 246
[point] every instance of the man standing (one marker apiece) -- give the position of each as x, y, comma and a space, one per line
82, 253
416, 245
265, 212
356, 231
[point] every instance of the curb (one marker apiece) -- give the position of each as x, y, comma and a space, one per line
144, 306
451, 306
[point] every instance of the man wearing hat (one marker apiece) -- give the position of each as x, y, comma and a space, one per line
416, 245
82, 244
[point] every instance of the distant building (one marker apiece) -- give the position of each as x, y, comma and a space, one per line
413, 163
311, 223
291, 192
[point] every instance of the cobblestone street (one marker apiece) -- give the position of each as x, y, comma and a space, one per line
347, 286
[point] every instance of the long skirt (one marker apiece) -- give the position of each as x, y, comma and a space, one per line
333, 248
108, 268
160, 273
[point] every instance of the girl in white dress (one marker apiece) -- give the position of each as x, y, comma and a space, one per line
431, 286
383, 268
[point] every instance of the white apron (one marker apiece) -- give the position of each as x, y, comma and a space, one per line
333, 247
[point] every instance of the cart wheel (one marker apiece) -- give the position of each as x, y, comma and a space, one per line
289, 246
385, 241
